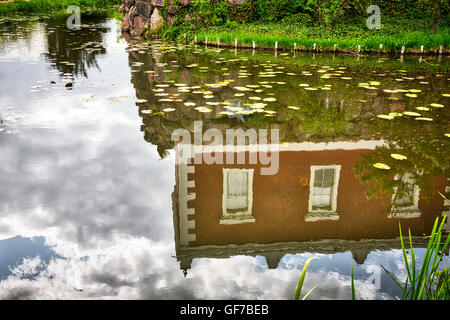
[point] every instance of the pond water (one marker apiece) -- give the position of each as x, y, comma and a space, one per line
94, 204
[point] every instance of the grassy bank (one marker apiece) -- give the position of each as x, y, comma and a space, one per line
35, 6
265, 36
347, 35
409, 23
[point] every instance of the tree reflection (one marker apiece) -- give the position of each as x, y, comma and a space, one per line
71, 56
426, 150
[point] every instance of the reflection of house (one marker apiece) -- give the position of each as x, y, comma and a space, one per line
313, 196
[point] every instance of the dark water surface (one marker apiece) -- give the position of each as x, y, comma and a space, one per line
92, 203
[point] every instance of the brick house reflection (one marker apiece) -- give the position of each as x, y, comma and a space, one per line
314, 203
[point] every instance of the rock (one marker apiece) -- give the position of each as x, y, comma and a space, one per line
184, 3
170, 20
157, 3
140, 24
126, 25
237, 2
156, 20
123, 8
133, 12
172, 9
144, 8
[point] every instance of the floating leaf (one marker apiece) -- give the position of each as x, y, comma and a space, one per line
380, 165
424, 119
385, 116
242, 88
436, 105
398, 156
412, 114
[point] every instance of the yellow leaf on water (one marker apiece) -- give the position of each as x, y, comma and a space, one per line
380, 165
385, 116
436, 105
398, 156
424, 119
412, 114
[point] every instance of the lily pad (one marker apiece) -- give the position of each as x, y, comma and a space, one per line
398, 156
382, 166
385, 116
412, 114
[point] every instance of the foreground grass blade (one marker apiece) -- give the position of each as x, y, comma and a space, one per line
435, 237
413, 258
302, 279
392, 277
310, 290
429, 284
405, 257
353, 283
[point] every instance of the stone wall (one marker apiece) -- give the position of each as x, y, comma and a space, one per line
140, 17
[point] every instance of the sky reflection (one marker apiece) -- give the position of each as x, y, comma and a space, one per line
85, 201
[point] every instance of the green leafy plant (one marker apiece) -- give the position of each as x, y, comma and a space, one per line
301, 280
427, 283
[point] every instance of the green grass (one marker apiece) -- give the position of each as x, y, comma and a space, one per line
395, 32
301, 280
427, 283
35, 6
305, 37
